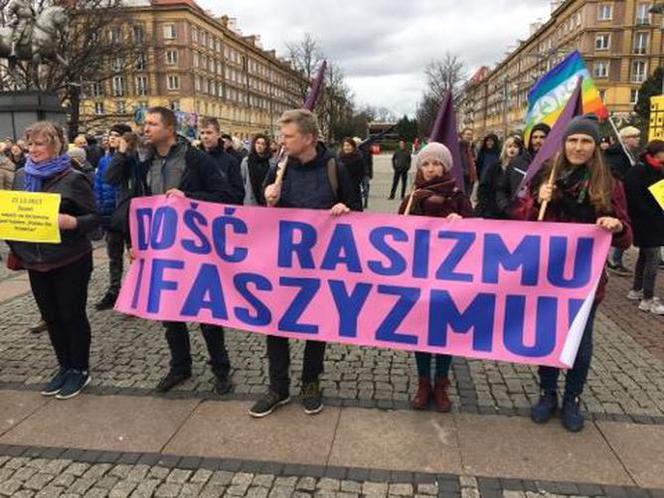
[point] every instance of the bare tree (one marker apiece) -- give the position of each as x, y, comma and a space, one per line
306, 56
446, 74
103, 42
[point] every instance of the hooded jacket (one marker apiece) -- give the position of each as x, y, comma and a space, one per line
618, 161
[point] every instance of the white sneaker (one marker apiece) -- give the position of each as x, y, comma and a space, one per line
657, 307
648, 304
635, 295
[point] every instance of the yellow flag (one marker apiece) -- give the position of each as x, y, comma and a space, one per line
657, 190
29, 216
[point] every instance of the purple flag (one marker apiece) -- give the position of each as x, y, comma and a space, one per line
316, 87
445, 132
553, 142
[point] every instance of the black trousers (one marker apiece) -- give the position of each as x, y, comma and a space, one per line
177, 337
62, 295
115, 249
399, 175
278, 354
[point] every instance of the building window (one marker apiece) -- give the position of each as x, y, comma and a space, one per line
140, 62
602, 94
120, 107
602, 42
173, 82
194, 35
604, 12
174, 105
118, 86
99, 108
141, 86
634, 96
116, 35
139, 33
601, 69
643, 14
97, 89
171, 57
170, 32
639, 70
641, 43
197, 83
118, 64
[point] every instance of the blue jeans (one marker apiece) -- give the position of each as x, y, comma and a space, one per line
577, 375
617, 256
423, 361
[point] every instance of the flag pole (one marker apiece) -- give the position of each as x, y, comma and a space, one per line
545, 204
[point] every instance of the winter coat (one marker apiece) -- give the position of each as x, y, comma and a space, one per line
76, 199
487, 157
437, 198
310, 185
230, 166
106, 194
354, 164
487, 190
646, 214
565, 207
401, 160
7, 170
616, 158
468, 164
253, 188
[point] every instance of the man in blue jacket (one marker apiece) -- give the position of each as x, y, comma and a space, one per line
107, 201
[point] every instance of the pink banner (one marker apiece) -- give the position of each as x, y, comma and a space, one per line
500, 290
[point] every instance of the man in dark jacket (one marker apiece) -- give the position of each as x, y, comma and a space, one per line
107, 203
229, 165
620, 162
174, 167
312, 179
401, 160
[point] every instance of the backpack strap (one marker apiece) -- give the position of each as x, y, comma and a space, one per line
333, 176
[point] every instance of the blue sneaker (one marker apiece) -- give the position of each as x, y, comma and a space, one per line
545, 408
572, 417
56, 383
76, 380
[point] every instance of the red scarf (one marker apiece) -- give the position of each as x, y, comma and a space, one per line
653, 163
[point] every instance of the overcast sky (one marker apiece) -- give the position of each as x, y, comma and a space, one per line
384, 45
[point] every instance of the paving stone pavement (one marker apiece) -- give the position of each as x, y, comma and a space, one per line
137, 476
128, 354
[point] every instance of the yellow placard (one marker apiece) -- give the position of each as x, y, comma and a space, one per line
29, 216
657, 190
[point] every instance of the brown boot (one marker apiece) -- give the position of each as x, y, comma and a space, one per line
423, 394
440, 398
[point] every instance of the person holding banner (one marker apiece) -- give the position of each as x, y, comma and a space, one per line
174, 167
576, 188
647, 218
60, 273
435, 195
311, 178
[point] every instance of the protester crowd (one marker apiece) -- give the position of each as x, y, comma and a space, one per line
594, 181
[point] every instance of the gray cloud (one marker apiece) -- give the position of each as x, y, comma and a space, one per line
384, 45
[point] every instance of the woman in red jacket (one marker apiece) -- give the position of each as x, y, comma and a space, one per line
582, 191
435, 194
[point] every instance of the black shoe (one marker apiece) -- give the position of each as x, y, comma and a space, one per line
572, 417
39, 327
222, 384
56, 383
107, 302
312, 400
545, 408
619, 269
171, 380
391, 197
75, 381
268, 403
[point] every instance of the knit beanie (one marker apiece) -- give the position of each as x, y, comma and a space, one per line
585, 125
436, 151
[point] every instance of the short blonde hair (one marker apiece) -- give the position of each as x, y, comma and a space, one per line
304, 119
51, 132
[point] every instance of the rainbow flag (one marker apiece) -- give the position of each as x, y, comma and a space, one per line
547, 99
